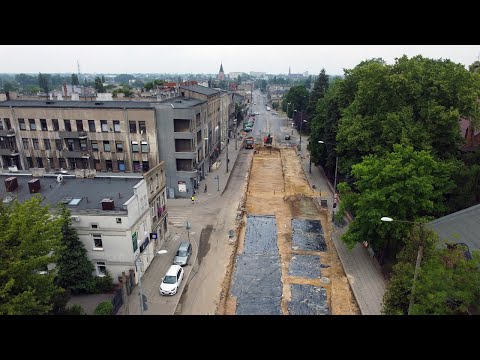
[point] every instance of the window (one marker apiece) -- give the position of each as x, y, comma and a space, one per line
119, 146
30, 162
133, 127
97, 242
119, 220
68, 126
35, 144
7, 123
70, 145
104, 125
58, 144
43, 124
94, 145
21, 122
79, 125
94, 226
116, 125
142, 127
134, 146
101, 269
83, 145
106, 146
32, 124
25, 143
46, 142
91, 126
55, 125
144, 147
1, 124
39, 162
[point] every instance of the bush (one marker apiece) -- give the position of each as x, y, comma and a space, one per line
74, 310
104, 284
104, 308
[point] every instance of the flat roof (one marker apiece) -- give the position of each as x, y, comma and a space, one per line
101, 104
181, 102
90, 191
200, 89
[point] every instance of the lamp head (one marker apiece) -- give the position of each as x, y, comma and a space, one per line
386, 218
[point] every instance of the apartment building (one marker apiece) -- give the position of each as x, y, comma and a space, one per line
115, 136
183, 133
118, 219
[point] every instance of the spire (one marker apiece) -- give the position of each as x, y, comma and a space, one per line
221, 67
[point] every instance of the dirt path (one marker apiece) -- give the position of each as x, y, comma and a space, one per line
278, 186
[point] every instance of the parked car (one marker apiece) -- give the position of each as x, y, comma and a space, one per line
287, 137
247, 129
172, 280
183, 254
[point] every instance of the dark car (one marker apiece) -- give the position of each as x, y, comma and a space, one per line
287, 137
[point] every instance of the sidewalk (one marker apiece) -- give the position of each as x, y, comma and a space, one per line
367, 282
166, 305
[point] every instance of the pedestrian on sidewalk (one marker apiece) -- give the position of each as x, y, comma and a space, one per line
193, 199
205, 190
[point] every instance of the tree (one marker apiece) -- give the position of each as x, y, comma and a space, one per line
239, 80
447, 283
123, 78
475, 67
103, 78
297, 96
104, 308
403, 184
74, 268
43, 82
416, 101
99, 85
29, 241
9, 86
75, 79
320, 88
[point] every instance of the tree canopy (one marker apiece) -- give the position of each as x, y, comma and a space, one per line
29, 241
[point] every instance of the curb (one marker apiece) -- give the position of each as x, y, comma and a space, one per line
230, 173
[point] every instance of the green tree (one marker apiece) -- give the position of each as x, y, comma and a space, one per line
297, 96
475, 67
447, 283
320, 88
99, 85
104, 308
416, 101
403, 184
25, 80
74, 268
239, 80
43, 82
75, 79
9, 86
103, 78
29, 241
123, 78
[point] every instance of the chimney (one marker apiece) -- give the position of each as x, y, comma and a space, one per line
107, 204
34, 186
11, 184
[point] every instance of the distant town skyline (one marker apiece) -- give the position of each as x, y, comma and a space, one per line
206, 59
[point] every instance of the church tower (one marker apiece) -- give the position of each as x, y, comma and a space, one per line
221, 74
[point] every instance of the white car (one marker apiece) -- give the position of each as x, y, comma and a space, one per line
172, 280
257, 113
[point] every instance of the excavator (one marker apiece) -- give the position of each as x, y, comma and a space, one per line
267, 141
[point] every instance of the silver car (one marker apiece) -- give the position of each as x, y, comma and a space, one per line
183, 254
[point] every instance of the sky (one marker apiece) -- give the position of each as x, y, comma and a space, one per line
196, 59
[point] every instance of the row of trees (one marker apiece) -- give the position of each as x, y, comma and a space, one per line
395, 130
30, 240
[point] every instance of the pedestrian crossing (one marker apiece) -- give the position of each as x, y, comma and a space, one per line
178, 216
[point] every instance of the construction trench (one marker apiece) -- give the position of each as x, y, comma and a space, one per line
284, 260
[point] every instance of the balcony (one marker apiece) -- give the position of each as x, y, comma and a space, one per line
72, 153
72, 134
9, 152
7, 133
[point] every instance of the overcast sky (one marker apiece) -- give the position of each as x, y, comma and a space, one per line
272, 59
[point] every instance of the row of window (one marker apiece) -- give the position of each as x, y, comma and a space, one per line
71, 145
104, 125
75, 163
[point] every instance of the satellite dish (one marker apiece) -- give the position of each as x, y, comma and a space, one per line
59, 178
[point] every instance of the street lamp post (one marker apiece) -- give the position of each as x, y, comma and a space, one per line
218, 182
419, 256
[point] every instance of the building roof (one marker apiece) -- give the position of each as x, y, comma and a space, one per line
460, 227
221, 68
77, 104
93, 190
200, 89
181, 102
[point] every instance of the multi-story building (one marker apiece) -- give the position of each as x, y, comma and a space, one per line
183, 134
116, 136
118, 219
